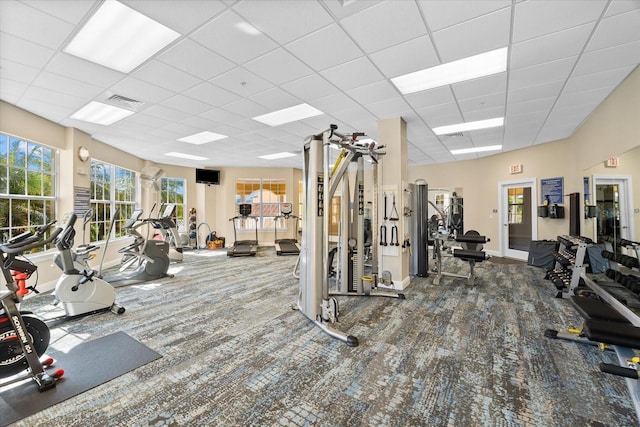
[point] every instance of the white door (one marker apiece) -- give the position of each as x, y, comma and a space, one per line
517, 216
613, 200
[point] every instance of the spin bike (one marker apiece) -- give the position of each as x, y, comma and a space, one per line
23, 337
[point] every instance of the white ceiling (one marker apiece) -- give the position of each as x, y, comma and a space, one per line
565, 57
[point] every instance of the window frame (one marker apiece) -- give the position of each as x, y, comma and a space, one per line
263, 210
103, 208
180, 213
39, 208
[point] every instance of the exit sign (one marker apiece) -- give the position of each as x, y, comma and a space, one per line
612, 162
515, 169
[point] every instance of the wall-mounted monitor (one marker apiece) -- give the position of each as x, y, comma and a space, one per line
208, 176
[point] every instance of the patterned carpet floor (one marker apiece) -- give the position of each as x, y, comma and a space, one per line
235, 353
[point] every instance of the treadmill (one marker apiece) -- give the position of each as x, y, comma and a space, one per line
243, 247
286, 246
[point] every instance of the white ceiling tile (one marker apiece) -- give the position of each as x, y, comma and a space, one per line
472, 115
407, 57
441, 115
220, 115
211, 94
166, 113
311, 87
195, 59
84, 71
270, 67
374, 92
318, 51
67, 85
619, 29
528, 93
246, 107
541, 74
184, 18
17, 72
24, 52
186, 104
71, 11
621, 6
242, 82
531, 106
163, 75
431, 97
34, 25
334, 103
535, 18
357, 115
401, 20
54, 98
444, 13
550, 47
11, 91
352, 74
583, 99
462, 40
146, 120
608, 79
613, 57
140, 90
284, 20
275, 99
489, 101
496, 83
342, 9
39, 107
391, 108
223, 35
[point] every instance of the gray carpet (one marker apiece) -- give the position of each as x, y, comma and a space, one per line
236, 354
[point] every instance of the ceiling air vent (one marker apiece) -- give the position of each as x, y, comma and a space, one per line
453, 135
123, 101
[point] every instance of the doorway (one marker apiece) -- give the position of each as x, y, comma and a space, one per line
517, 216
612, 198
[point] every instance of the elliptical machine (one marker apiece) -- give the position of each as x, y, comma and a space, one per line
143, 260
23, 337
80, 291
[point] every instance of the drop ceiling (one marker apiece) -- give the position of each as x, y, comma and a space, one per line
564, 59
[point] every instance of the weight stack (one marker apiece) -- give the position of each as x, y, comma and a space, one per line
419, 265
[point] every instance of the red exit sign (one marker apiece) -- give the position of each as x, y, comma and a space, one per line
612, 162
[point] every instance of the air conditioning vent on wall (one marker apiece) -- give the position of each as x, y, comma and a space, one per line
123, 101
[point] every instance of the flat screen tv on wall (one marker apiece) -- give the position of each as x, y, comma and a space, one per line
208, 176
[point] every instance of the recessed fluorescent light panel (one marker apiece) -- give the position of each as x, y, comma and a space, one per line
101, 114
477, 149
274, 156
185, 156
202, 137
247, 28
119, 38
462, 127
473, 67
287, 115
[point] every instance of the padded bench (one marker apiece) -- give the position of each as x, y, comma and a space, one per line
614, 333
591, 308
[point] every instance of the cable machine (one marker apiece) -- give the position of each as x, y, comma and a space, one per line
320, 183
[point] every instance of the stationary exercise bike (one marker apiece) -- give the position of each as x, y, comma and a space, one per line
23, 337
80, 291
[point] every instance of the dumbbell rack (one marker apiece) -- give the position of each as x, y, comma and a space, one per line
569, 266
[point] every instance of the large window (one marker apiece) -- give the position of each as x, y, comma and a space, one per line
27, 186
112, 188
173, 191
265, 197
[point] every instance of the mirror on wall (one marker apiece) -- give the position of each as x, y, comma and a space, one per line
614, 191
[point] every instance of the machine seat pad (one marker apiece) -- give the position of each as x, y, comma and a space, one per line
614, 333
591, 308
468, 255
471, 238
